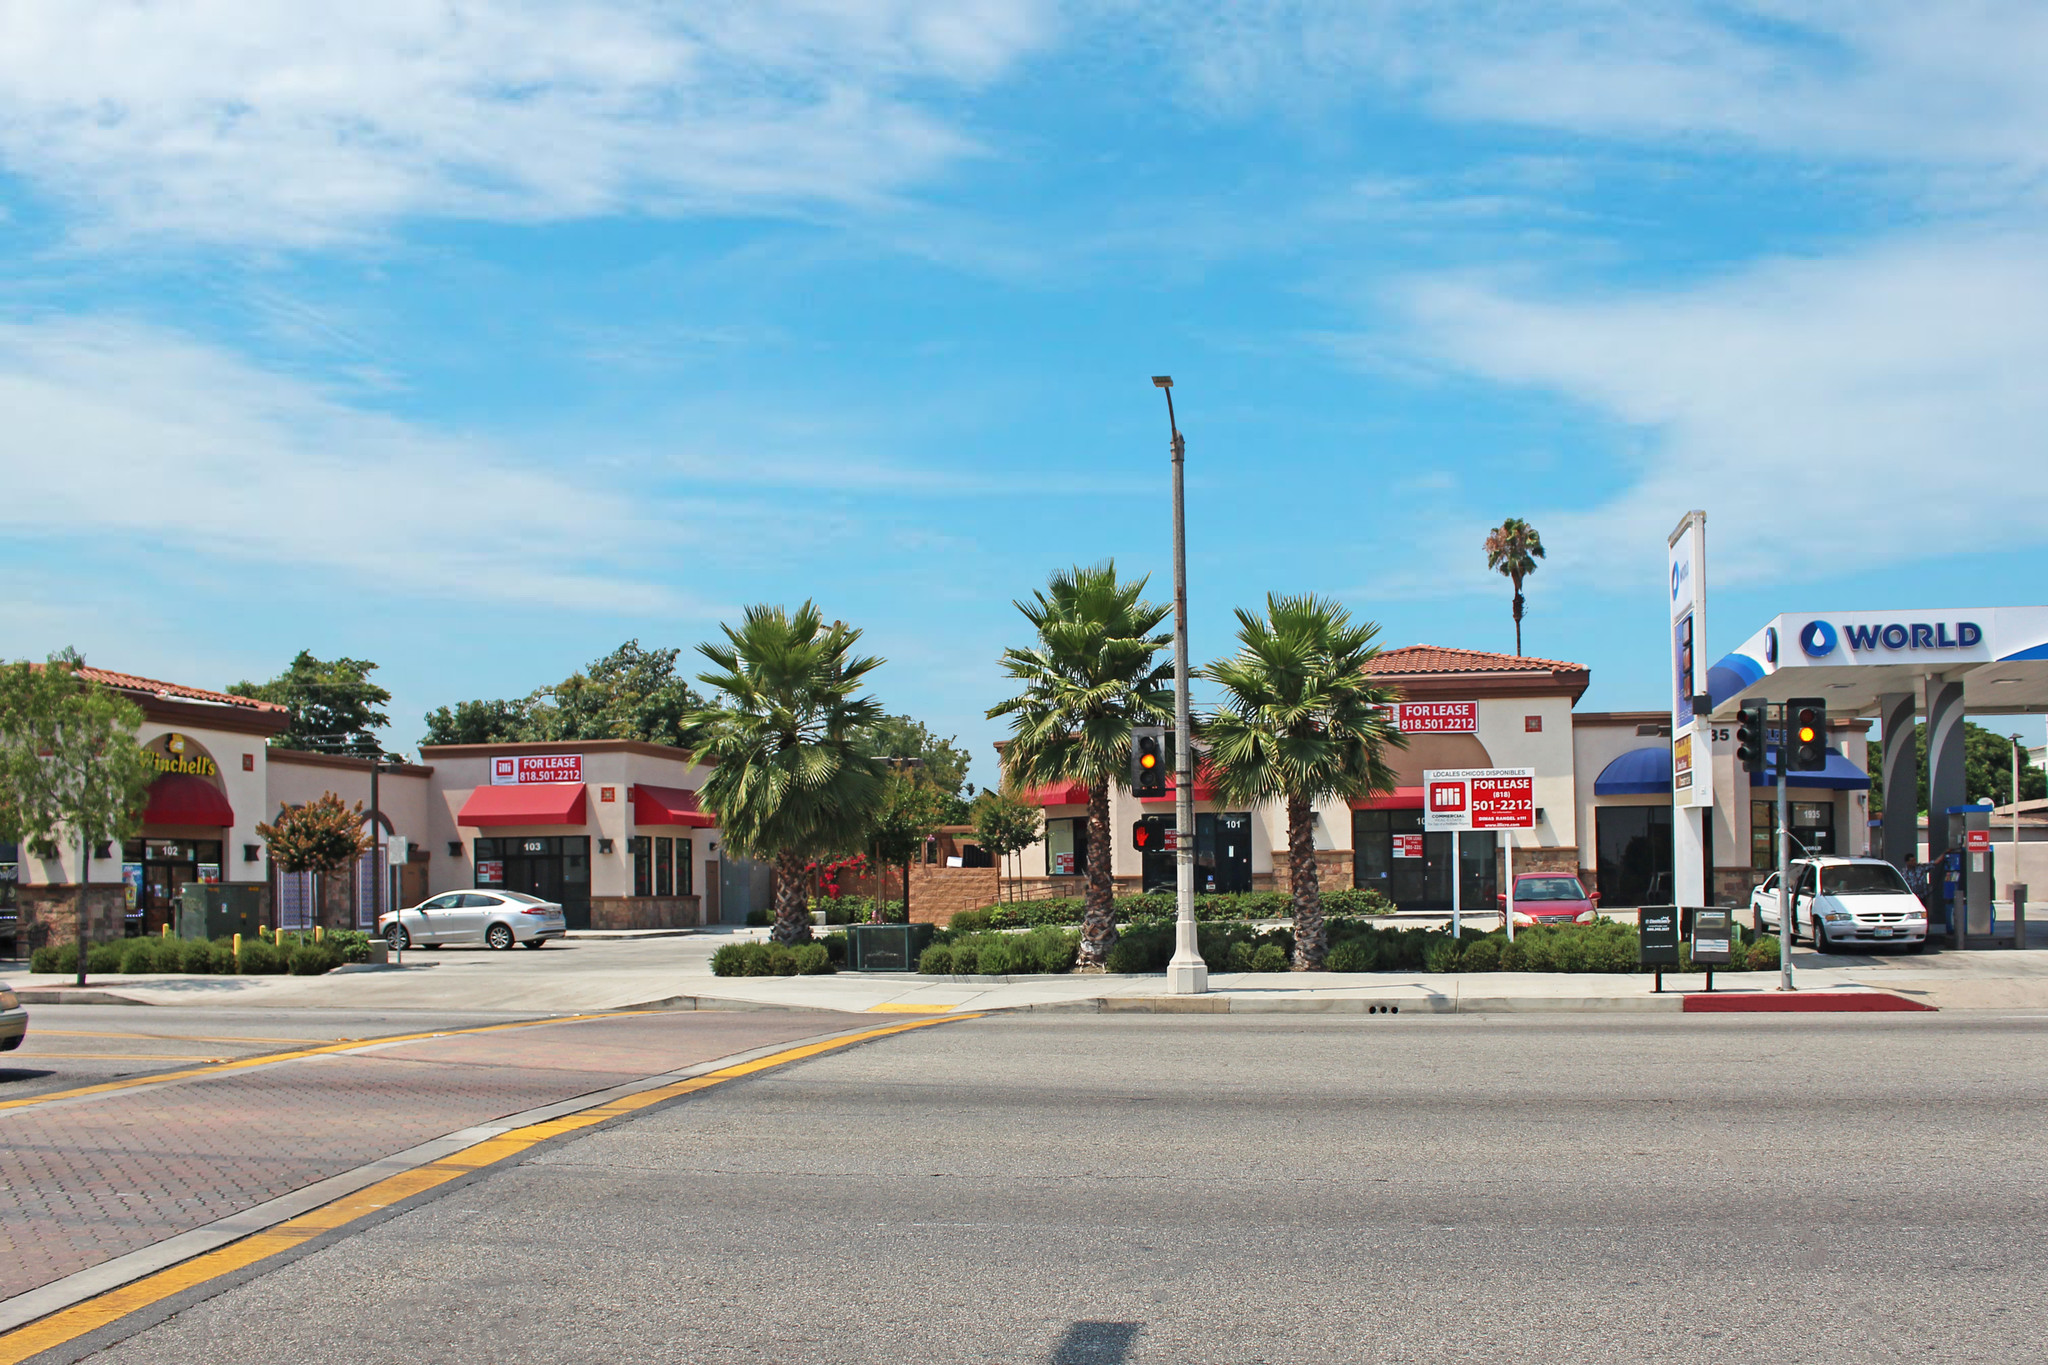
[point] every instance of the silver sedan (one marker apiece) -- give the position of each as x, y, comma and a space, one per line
497, 919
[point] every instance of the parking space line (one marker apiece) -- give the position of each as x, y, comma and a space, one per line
102, 1310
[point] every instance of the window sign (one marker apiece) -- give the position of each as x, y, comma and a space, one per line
209, 874
131, 884
1407, 845
490, 872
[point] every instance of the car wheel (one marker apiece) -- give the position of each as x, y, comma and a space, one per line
536, 943
398, 938
499, 936
1821, 943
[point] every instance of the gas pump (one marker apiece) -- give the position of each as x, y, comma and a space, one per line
1966, 875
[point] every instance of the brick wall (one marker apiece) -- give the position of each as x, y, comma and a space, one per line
939, 893
1334, 868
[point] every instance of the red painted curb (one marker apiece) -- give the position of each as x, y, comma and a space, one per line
1799, 1002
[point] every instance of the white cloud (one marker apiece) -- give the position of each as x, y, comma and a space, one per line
253, 121
1897, 387
124, 431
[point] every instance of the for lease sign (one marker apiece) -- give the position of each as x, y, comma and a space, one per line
1479, 798
511, 770
1437, 717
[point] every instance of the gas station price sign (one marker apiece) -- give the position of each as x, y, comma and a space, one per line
1478, 798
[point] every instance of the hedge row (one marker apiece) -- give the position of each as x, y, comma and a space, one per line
840, 910
295, 953
1353, 946
773, 959
1159, 905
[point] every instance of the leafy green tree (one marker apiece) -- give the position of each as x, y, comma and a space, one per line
1093, 674
1987, 768
1301, 721
942, 763
1005, 826
1512, 549
335, 707
69, 763
790, 782
910, 810
631, 693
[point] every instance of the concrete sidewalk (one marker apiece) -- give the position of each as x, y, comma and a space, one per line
676, 972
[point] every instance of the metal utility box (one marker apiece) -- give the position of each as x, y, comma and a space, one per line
886, 947
1657, 935
219, 911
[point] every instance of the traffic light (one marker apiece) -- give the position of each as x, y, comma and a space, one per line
1806, 735
1749, 738
1148, 760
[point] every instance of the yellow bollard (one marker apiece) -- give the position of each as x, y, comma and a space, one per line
167, 931
319, 933
238, 951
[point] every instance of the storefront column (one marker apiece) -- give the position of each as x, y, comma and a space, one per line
1946, 785
1897, 713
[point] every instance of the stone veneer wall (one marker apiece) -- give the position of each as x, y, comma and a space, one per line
1561, 860
48, 915
646, 912
1335, 868
939, 893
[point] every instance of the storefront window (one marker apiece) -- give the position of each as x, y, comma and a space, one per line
664, 867
642, 848
1763, 836
1066, 847
10, 873
155, 873
686, 884
1391, 854
1632, 846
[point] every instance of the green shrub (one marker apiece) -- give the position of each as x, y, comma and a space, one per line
1356, 900
1142, 948
311, 959
998, 956
727, 960
966, 958
259, 958
835, 949
1441, 954
1051, 950
1481, 955
138, 957
1269, 957
1763, 954
758, 919
812, 960
1514, 954
195, 957
1352, 955
781, 959
105, 957
970, 921
1241, 956
61, 959
936, 960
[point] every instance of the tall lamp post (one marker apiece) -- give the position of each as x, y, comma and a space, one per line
1186, 974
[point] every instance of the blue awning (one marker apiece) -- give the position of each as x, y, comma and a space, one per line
1639, 772
1840, 775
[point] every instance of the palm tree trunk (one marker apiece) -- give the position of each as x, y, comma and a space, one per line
1304, 884
1518, 618
1098, 919
792, 921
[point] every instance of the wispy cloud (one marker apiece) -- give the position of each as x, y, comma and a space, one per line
252, 122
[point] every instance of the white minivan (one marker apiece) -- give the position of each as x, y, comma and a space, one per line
1841, 901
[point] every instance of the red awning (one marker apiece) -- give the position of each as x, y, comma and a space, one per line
182, 799
669, 806
529, 803
1402, 798
1058, 794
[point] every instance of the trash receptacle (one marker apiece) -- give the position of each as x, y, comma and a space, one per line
886, 947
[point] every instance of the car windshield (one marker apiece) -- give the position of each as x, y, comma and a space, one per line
1863, 879
1549, 889
518, 898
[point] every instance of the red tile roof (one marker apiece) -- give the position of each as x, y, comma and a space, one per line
128, 682
1413, 659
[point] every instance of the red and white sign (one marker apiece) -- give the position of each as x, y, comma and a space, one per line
512, 770
1407, 845
490, 872
1977, 840
1479, 798
1437, 717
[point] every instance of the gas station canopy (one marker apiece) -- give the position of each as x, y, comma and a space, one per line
1851, 659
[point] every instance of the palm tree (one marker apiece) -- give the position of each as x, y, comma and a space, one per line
1088, 680
1512, 549
1301, 721
790, 780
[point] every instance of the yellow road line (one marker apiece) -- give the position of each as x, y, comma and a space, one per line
895, 1008
266, 1058
69, 1324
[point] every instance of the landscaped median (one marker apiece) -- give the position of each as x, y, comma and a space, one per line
300, 954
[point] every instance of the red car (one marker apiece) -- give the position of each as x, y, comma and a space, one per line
1551, 898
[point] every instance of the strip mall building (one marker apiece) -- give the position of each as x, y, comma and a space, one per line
1603, 787
610, 828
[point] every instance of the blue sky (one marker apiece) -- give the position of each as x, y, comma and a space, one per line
476, 338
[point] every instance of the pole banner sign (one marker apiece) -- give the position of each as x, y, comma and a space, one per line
1478, 798
1686, 576
512, 770
1437, 717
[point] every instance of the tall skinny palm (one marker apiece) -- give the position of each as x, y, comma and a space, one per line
1092, 675
790, 780
1512, 549
1301, 721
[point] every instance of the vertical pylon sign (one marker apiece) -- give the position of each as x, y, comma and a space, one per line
1692, 751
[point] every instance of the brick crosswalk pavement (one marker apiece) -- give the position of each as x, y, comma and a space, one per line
86, 1180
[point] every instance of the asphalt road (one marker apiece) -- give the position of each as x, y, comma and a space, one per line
1153, 1188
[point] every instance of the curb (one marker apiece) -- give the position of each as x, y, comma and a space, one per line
1425, 1004
53, 995
1805, 1002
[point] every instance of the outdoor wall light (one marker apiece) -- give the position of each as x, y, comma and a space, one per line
252, 852
455, 848
604, 845
103, 851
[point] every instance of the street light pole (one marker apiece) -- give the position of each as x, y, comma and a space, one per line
1186, 974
